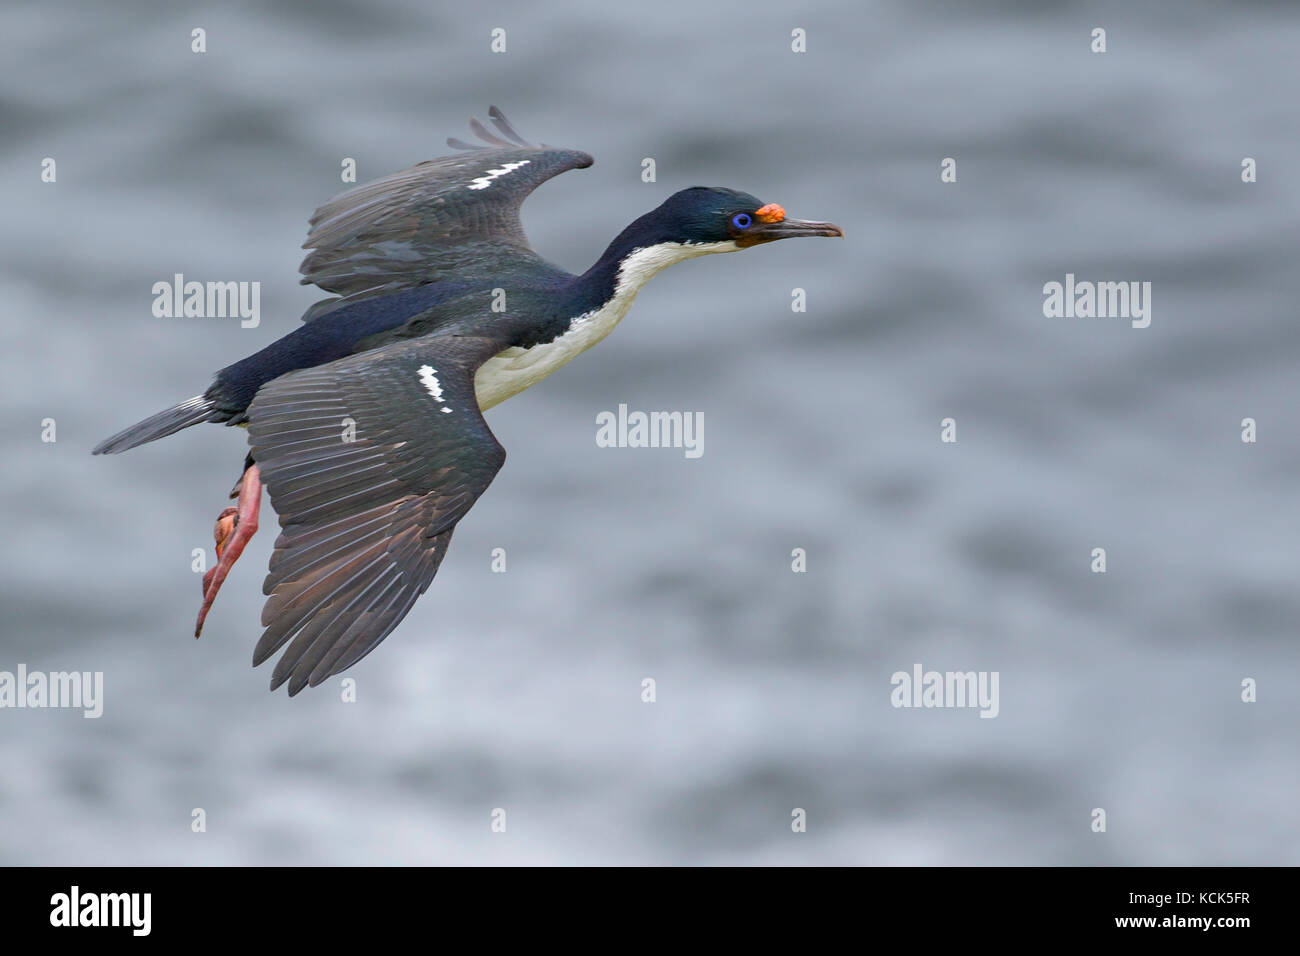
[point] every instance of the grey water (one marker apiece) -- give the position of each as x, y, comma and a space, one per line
522, 691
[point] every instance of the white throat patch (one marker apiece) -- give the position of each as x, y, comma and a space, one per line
516, 369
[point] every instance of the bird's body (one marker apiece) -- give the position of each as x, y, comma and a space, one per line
366, 422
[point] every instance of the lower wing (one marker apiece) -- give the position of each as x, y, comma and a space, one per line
370, 461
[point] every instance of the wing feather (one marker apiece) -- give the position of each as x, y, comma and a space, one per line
366, 516
455, 218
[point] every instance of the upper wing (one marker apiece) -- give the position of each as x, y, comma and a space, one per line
454, 217
370, 462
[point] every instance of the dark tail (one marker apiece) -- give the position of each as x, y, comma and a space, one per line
198, 409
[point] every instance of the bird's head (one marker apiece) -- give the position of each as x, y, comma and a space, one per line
713, 214
697, 222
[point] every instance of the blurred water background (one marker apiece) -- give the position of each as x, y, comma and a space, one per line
523, 690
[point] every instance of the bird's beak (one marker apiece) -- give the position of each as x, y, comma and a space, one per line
793, 228
771, 224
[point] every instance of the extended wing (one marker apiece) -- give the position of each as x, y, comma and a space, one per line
456, 217
370, 462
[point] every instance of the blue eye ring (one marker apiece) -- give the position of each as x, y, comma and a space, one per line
742, 220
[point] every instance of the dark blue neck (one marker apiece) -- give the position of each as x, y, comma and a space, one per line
596, 286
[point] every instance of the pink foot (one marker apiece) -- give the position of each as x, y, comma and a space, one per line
234, 529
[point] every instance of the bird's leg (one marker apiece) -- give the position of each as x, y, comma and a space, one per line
234, 529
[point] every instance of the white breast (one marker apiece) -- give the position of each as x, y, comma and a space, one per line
516, 369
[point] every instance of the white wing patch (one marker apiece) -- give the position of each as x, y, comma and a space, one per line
429, 379
482, 182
